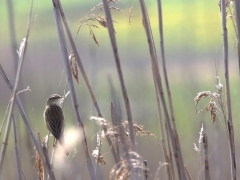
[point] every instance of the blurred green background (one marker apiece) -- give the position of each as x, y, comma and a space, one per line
192, 35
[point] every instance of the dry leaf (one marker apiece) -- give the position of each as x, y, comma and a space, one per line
74, 68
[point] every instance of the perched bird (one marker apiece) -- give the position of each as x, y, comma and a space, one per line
54, 119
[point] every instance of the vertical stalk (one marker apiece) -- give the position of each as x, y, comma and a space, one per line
75, 104
168, 159
12, 99
24, 117
119, 69
16, 148
21, 54
167, 85
12, 30
80, 65
145, 173
228, 98
206, 164
171, 133
237, 15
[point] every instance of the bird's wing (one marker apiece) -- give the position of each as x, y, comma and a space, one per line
54, 120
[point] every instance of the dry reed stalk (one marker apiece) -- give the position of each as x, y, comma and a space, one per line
111, 32
26, 122
16, 148
22, 51
114, 122
63, 45
4, 118
167, 158
228, 97
80, 65
12, 30
206, 164
171, 133
145, 172
237, 15
21, 54
160, 19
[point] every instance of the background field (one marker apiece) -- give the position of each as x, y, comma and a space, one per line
192, 34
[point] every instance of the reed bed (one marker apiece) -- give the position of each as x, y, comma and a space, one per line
121, 136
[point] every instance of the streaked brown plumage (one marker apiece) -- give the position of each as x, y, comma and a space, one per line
54, 119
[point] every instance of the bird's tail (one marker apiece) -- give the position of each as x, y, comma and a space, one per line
64, 146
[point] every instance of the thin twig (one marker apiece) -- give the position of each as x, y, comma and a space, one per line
145, 173
24, 175
60, 81
188, 174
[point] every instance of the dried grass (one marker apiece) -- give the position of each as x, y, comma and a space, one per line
128, 167
214, 105
38, 165
91, 17
114, 130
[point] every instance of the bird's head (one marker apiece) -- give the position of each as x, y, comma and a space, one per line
55, 99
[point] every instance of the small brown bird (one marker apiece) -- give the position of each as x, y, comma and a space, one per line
54, 119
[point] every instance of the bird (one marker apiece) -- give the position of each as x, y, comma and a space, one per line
54, 119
